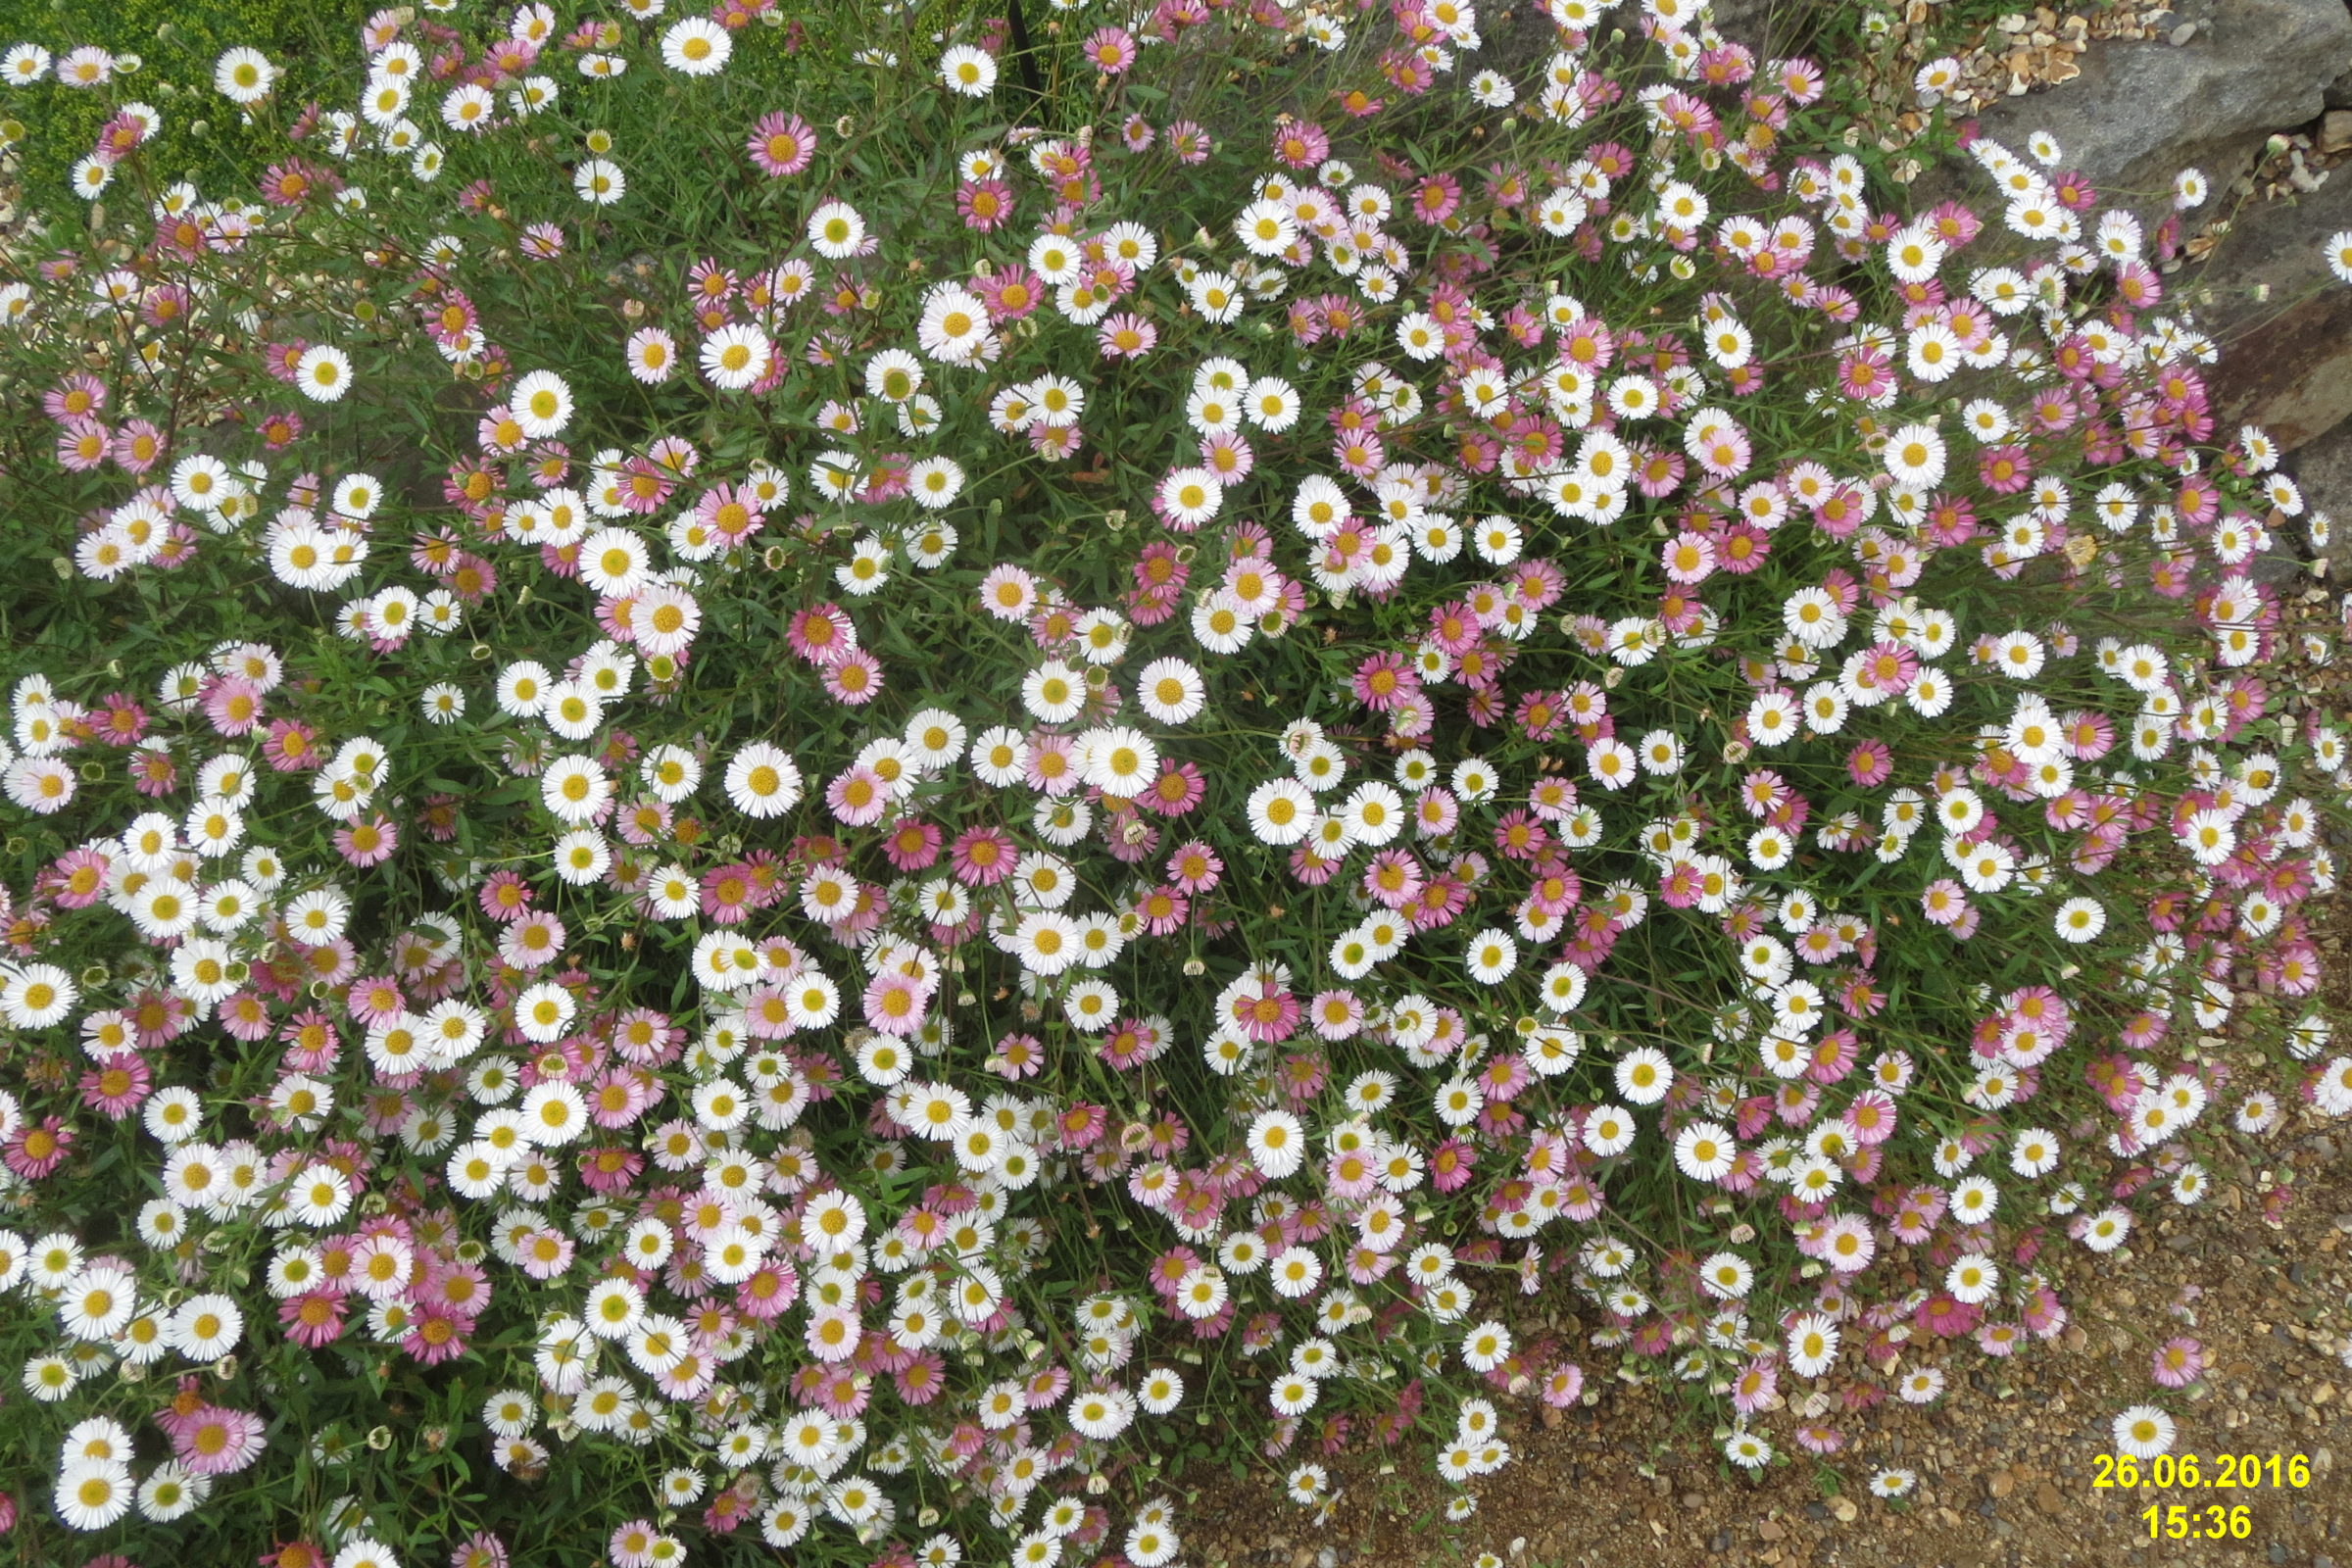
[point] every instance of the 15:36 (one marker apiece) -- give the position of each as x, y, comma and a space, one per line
2180, 1522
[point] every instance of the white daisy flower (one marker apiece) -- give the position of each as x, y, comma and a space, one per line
322, 374
836, 229
763, 780
697, 47
243, 75
736, 356
2143, 1431
968, 72
600, 182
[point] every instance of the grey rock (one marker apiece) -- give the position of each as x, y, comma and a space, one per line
1769, 26
2143, 110
2322, 470
2282, 321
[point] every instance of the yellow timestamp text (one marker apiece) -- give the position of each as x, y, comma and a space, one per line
2178, 1521
2223, 1470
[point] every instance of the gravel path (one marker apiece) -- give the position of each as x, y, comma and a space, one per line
2005, 1462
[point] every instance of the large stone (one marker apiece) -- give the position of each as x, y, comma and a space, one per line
2282, 319
1769, 26
2141, 110
2322, 470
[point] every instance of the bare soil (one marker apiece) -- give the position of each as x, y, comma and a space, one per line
2005, 1461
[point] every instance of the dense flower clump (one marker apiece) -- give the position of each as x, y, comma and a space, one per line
816, 782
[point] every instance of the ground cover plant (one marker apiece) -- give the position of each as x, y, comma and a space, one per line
828, 779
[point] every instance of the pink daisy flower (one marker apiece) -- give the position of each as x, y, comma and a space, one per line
732, 510
1437, 198
982, 857
781, 144
436, 1336
1010, 294
618, 1099
214, 1441
1126, 336
912, 845
375, 1000
821, 635
1336, 1014
533, 941
1265, 1011
233, 706
1056, 443
139, 444
1180, 787
1194, 868
922, 1378
2178, 1362
481, 1549
984, 204
631, 1545
1870, 764
292, 747
1017, 1056
314, 1318
82, 445
1162, 910
772, 1287
504, 896
546, 1253
1227, 456
1110, 50
1452, 1164
855, 680
1189, 143
1048, 769
369, 841
117, 1088
858, 796
79, 395
77, 879
895, 1004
